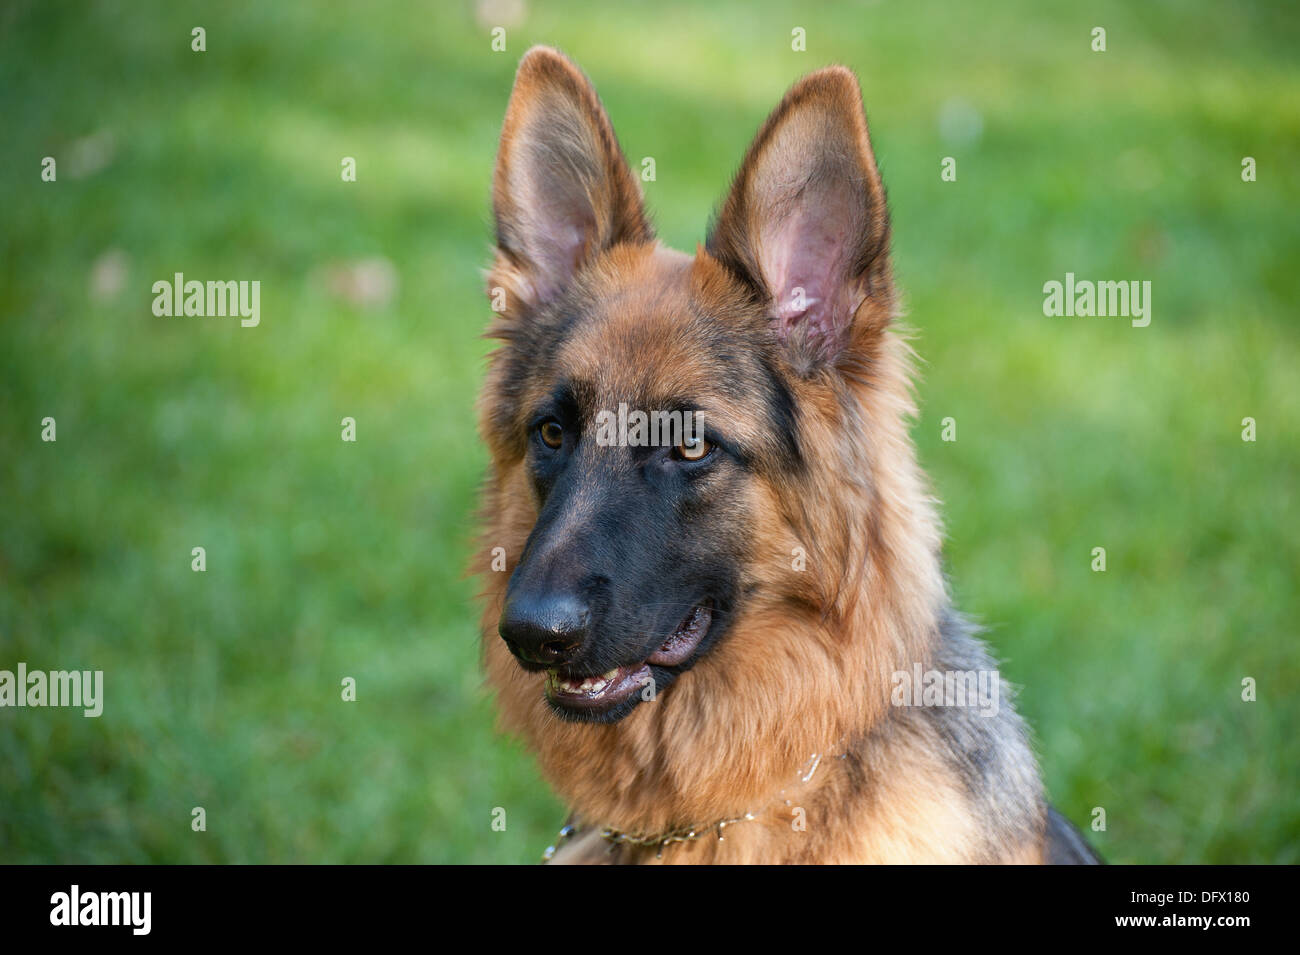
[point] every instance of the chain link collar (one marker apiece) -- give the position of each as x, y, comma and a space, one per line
617, 837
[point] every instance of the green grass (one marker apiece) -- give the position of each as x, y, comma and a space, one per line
328, 559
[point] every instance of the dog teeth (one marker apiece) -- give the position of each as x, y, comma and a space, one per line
589, 685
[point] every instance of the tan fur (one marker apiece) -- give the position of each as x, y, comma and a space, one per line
804, 673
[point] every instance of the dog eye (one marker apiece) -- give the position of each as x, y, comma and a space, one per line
551, 433
693, 449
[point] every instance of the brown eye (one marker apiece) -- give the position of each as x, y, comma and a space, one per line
551, 433
693, 449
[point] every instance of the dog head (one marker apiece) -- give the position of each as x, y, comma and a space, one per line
666, 429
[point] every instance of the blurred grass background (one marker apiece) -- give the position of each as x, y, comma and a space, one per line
327, 559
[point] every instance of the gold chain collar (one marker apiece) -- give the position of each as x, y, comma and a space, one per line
617, 837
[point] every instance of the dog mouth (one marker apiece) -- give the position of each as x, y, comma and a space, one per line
598, 694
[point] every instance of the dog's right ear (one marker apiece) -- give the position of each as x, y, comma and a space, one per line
562, 191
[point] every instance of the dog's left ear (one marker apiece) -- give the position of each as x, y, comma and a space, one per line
562, 191
805, 225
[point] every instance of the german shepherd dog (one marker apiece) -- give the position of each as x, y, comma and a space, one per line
702, 638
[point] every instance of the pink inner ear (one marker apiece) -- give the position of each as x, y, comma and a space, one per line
559, 239
559, 221
554, 182
806, 255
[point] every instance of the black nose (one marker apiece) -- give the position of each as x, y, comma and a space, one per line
546, 628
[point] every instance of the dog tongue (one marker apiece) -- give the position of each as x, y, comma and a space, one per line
684, 640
